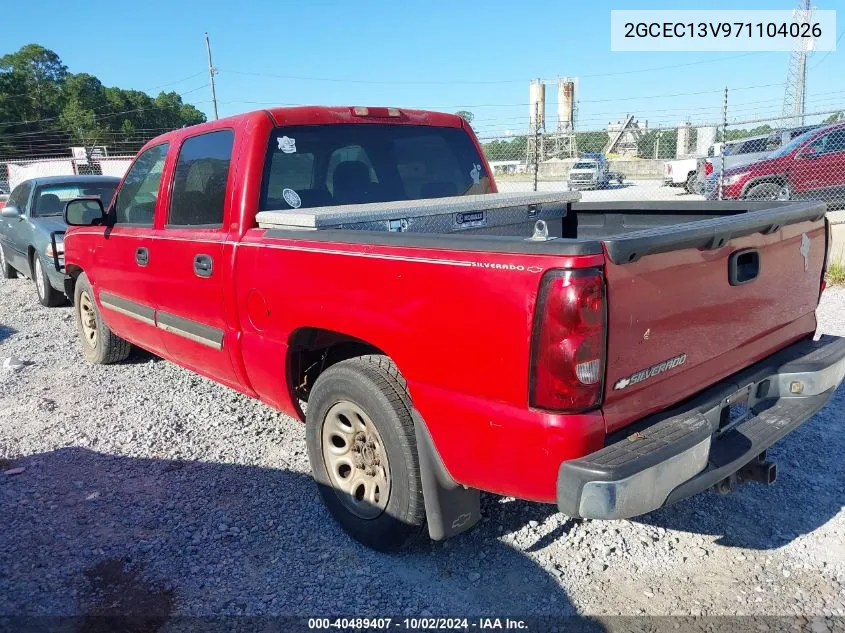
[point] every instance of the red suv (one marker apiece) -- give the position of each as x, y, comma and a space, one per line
810, 166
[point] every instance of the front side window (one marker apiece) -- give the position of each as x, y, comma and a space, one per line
51, 199
20, 196
200, 179
329, 165
136, 199
834, 142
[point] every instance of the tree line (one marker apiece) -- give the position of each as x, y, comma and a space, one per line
44, 109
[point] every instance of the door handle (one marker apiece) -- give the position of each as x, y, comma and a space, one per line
142, 256
203, 265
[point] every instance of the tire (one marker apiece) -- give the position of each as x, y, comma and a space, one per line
103, 347
768, 191
47, 295
348, 401
6, 270
690, 184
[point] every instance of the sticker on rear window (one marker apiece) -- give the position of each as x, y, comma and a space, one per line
287, 144
292, 198
475, 173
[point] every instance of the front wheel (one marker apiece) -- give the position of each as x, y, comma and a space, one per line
47, 295
363, 452
100, 345
690, 184
769, 191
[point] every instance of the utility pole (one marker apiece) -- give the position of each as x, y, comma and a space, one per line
724, 140
657, 144
211, 71
795, 97
536, 143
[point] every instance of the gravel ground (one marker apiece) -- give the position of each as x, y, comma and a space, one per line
147, 489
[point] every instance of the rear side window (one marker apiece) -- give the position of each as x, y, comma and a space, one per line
199, 182
136, 198
754, 145
327, 165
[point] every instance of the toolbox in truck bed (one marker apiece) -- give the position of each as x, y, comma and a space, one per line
479, 213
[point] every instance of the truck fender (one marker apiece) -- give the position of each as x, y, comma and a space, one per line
450, 508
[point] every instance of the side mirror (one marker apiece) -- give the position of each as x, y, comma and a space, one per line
10, 211
85, 212
810, 152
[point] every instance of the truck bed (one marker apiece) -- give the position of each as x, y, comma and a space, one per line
627, 230
666, 265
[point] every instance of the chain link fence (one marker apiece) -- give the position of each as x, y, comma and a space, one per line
773, 158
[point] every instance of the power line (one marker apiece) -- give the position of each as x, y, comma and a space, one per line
470, 81
827, 54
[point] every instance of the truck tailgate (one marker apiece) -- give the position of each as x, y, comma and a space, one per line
676, 324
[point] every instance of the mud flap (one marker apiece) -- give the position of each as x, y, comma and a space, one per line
450, 508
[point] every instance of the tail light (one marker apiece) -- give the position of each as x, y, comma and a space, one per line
708, 168
669, 168
828, 245
568, 344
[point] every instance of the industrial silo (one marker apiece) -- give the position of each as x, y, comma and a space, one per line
537, 105
565, 104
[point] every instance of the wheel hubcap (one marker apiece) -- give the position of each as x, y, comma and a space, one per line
39, 278
88, 319
356, 460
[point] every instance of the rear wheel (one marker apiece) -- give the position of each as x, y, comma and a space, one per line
363, 452
690, 184
6, 271
769, 191
47, 295
100, 345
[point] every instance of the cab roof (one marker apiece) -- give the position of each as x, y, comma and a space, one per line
322, 115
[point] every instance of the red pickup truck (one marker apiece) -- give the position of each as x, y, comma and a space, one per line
355, 267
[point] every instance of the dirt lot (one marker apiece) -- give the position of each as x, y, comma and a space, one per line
148, 489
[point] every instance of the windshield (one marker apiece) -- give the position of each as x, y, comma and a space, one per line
51, 199
796, 142
584, 166
329, 165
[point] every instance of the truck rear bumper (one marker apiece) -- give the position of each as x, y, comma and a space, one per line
672, 455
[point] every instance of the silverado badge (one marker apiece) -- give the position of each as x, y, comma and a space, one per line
642, 374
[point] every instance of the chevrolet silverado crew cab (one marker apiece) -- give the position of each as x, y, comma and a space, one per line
354, 267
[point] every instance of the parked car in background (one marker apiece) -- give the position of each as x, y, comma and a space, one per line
748, 150
691, 172
31, 215
591, 171
812, 165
